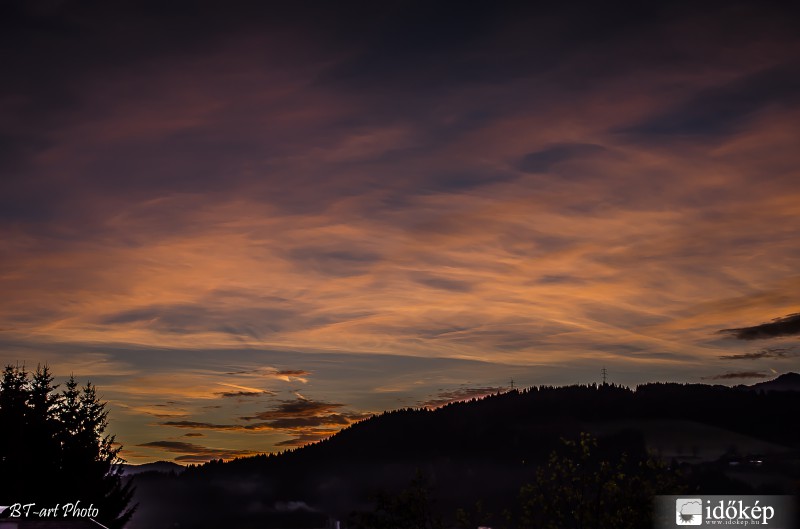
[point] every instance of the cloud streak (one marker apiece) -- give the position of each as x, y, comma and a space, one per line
243, 205
785, 326
193, 453
304, 419
737, 375
242, 394
443, 398
769, 352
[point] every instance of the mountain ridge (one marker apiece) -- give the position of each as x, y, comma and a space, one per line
480, 449
786, 382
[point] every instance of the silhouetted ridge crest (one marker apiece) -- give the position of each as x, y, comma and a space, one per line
519, 421
473, 449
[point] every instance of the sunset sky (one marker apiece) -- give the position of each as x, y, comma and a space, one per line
252, 226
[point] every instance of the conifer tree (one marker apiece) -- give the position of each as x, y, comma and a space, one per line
89, 458
42, 429
50, 438
13, 446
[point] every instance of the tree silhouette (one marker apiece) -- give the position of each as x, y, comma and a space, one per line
42, 428
50, 438
412, 508
579, 488
13, 417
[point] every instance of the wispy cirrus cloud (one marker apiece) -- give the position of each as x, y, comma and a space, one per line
502, 190
445, 397
286, 375
726, 108
298, 408
161, 411
193, 453
290, 375
545, 160
737, 375
303, 439
243, 394
204, 425
768, 352
301, 418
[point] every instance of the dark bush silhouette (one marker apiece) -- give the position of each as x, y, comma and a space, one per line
581, 488
54, 449
412, 508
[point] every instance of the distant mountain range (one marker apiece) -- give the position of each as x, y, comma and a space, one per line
786, 382
157, 466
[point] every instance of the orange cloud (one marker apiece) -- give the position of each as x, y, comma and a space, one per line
175, 223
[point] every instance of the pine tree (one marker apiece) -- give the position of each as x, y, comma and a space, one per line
68, 411
50, 438
90, 461
42, 429
13, 447
103, 460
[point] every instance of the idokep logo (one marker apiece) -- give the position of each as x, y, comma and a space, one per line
746, 510
689, 511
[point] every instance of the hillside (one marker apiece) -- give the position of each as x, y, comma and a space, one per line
478, 450
157, 466
785, 382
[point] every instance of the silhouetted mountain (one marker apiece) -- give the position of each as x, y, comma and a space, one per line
482, 449
785, 382
157, 466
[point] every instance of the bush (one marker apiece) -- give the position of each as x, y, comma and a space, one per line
578, 488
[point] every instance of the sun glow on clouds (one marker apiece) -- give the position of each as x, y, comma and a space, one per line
612, 207
448, 284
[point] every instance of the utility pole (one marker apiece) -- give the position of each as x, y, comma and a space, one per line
605, 374
512, 384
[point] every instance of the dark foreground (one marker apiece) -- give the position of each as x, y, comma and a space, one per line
517, 459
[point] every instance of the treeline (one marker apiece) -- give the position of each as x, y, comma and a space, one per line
528, 423
54, 449
520, 427
484, 449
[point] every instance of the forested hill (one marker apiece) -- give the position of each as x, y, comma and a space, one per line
479, 449
785, 382
515, 422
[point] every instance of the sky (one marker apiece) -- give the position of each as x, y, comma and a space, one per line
252, 224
